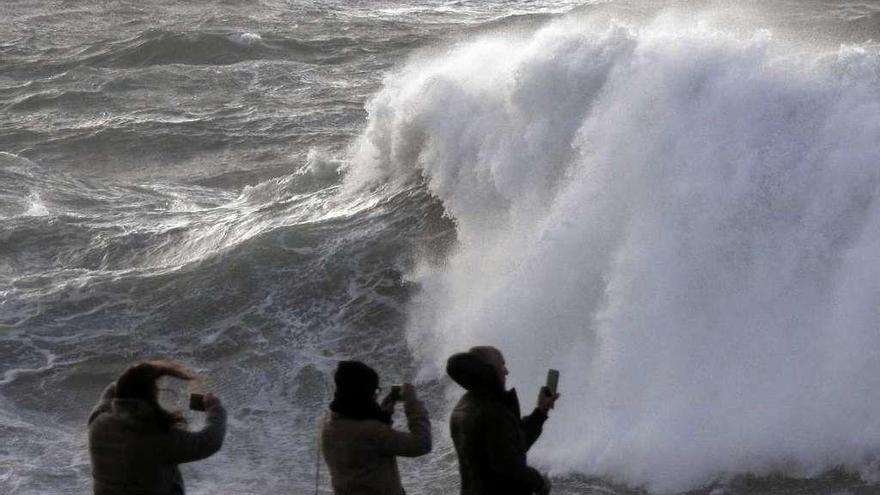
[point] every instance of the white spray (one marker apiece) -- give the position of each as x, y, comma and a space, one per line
684, 222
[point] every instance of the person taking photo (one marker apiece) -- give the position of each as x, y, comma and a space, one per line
135, 445
490, 437
357, 439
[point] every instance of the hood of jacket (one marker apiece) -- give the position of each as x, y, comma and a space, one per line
474, 374
480, 378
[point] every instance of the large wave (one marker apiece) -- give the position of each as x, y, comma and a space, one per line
684, 221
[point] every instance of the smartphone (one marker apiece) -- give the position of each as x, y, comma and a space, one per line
395, 393
197, 402
552, 380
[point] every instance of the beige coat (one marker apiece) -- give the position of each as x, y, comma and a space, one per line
362, 454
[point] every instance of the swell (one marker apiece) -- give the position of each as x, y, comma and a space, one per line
75, 224
161, 47
60, 233
158, 47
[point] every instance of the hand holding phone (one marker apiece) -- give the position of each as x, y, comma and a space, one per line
552, 380
390, 399
396, 394
548, 394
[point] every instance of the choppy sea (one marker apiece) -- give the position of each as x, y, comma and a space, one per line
675, 203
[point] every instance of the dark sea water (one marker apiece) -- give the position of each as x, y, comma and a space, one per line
674, 203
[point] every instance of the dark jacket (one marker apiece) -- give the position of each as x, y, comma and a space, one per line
133, 455
361, 453
489, 436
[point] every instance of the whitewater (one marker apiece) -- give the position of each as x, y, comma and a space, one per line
673, 203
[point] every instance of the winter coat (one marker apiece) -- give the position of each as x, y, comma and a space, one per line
132, 454
362, 454
490, 438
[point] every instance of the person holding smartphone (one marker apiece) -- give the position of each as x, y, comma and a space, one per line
490, 437
357, 439
135, 445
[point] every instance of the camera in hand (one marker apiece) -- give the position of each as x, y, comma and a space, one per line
552, 381
197, 402
396, 394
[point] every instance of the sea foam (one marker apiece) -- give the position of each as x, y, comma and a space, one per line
684, 221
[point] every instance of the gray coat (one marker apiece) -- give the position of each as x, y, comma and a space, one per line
362, 454
132, 455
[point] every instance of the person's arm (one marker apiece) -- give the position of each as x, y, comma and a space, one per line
533, 424
415, 442
103, 406
179, 446
505, 453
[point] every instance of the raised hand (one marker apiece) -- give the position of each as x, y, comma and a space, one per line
546, 400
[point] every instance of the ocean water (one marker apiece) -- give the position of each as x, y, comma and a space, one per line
674, 203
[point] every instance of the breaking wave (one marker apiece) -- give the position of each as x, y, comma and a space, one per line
683, 221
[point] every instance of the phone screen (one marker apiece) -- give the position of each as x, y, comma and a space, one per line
396, 392
552, 380
197, 402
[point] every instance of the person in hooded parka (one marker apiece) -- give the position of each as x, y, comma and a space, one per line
135, 445
490, 437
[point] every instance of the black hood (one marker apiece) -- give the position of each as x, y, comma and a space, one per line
473, 373
355, 397
479, 377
